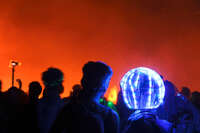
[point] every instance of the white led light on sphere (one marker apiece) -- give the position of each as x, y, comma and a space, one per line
142, 88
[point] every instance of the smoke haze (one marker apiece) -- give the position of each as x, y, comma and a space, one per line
162, 35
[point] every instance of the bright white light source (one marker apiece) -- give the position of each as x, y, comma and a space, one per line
142, 88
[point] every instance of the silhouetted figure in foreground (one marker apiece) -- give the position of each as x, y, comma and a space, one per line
178, 110
13, 103
3, 114
29, 119
35, 90
168, 109
15, 96
187, 119
50, 104
85, 114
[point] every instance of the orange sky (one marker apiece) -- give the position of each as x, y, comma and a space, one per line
162, 35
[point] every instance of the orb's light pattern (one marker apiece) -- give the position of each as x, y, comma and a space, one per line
142, 88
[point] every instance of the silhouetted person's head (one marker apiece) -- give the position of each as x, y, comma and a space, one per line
35, 89
76, 89
53, 79
16, 95
96, 78
186, 92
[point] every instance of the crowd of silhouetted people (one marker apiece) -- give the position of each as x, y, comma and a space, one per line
84, 112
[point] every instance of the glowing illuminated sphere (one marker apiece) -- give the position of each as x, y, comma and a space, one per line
142, 88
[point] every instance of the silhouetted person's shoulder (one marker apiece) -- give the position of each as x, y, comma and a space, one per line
105, 112
74, 115
111, 119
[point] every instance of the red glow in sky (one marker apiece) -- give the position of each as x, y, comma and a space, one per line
162, 35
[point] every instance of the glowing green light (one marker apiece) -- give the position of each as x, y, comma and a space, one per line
110, 104
101, 100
